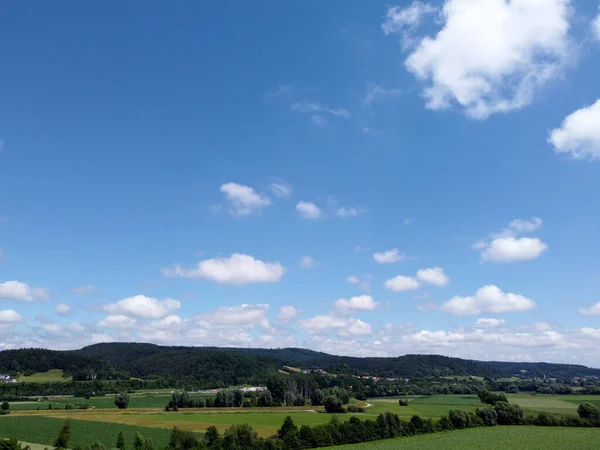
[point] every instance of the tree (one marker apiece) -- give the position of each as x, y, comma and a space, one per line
317, 398
120, 441
4, 408
138, 442
182, 440
97, 446
288, 433
265, 398
240, 437
212, 438
403, 402
509, 414
122, 400
62, 440
333, 404
238, 398
589, 411
488, 415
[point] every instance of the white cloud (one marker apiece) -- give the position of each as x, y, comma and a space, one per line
52, 328
10, 316
511, 249
243, 199
62, 309
238, 269
76, 327
117, 321
143, 307
594, 310
319, 120
542, 326
406, 19
16, 290
591, 332
489, 323
344, 325
526, 226
318, 110
280, 189
359, 303
308, 262
401, 283
363, 284
375, 91
353, 280
345, 212
489, 56
235, 316
596, 27
434, 275
579, 134
488, 300
309, 210
389, 256
87, 289
286, 313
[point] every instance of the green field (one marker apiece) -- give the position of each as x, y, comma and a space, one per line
44, 377
497, 438
43, 430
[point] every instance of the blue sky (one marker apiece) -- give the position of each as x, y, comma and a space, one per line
353, 177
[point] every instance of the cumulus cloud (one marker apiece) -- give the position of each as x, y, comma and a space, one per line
345, 326
244, 200
506, 246
16, 290
434, 275
593, 310
10, 316
596, 27
286, 313
489, 56
62, 309
308, 262
238, 269
280, 189
117, 321
359, 303
309, 210
579, 134
52, 328
488, 300
143, 307
401, 283
389, 256
511, 249
489, 323
244, 315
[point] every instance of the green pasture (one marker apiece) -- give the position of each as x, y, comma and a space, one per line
43, 430
44, 377
496, 438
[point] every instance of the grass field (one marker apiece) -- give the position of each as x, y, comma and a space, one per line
44, 377
497, 438
43, 430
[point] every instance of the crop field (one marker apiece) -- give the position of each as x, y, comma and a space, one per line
427, 406
43, 430
44, 377
497, 438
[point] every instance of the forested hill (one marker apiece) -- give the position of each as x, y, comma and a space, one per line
236, 365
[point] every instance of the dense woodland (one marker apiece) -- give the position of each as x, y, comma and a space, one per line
228, 366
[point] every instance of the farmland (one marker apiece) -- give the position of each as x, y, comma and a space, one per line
146, 415
43, 430
498, 438
44, 377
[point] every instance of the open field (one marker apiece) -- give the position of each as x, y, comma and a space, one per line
497, 438
43, 377
43, 430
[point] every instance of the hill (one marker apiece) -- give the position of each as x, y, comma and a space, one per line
236, 365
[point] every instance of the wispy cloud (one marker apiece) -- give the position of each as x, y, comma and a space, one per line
319, 111
375, 92
282, 89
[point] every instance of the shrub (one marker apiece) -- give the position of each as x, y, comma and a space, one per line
333, 404
488, 415
122, 400
355, 409
403, 402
